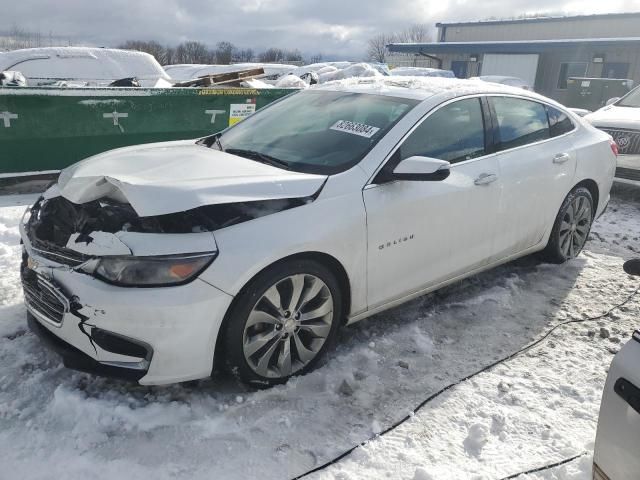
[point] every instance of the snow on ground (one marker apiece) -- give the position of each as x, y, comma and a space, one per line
537, 409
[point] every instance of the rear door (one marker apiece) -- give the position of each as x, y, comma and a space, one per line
537, 162
421, 233
618, 437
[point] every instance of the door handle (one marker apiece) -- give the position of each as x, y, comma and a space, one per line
561, 158
485, 179
629, 393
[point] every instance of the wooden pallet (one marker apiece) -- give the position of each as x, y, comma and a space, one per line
231, 79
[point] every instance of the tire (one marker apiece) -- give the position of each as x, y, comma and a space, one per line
571, 227
262, 324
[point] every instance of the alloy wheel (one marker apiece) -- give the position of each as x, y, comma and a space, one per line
575, 226
288, 326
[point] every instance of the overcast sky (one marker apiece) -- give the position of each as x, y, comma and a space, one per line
335, 28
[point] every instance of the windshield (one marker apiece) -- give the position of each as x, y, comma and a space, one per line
631, 99
315, 131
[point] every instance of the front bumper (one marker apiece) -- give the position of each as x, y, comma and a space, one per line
628, 167
151, 335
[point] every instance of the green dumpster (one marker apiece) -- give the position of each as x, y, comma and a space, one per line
44, 129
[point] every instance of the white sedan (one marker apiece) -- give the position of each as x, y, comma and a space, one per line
249, 249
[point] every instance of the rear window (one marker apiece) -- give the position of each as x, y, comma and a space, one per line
559, 122
520, 121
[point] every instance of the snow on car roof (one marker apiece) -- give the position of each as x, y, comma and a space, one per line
82, 62
419, 88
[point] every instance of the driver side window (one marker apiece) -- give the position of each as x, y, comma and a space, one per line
454, 133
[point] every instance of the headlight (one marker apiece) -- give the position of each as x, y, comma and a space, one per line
162, 271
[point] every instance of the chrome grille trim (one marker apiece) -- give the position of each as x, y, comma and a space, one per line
44, 300
628, 140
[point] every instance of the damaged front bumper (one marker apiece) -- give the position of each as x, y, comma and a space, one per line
151, 335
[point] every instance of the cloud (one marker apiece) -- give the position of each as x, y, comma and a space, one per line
335, 28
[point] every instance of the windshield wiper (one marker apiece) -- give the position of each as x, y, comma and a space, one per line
259, 157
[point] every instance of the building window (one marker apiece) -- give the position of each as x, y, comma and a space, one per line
571, 69
615, 70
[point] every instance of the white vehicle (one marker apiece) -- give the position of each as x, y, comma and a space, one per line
83, 66
621, 119
615, 455
505, 80
250, 248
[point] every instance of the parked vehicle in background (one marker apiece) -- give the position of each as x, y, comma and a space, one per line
252, 247
83, 66
615, 455
621, 119
504, 80
421, 72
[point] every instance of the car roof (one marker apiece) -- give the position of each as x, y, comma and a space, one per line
421, 88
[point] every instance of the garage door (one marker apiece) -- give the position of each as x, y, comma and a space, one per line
511, 65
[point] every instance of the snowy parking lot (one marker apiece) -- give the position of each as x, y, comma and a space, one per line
536, 409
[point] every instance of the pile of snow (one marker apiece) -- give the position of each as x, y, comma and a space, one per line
82, 65
421, 72
538, 409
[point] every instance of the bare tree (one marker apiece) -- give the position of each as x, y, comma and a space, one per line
317, 58
192, 52
224, 53
153, 48
244, 55
272, 55
377, 47
417, 33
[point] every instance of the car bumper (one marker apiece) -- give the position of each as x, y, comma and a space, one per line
151, 335
628, 167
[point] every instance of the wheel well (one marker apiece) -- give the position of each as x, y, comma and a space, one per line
323, 258
593, 190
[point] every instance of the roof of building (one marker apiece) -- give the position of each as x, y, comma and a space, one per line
606, 16
517, 46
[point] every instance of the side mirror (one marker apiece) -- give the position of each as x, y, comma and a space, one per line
422, 169
632, 267
611, 101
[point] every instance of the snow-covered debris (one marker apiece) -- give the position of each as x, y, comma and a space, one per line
421, 72
93, 66
291, 81
11, 78
184, 72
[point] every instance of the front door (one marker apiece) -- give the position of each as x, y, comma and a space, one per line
421, 233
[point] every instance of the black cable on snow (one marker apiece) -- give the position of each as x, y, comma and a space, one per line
469, 377
546, 467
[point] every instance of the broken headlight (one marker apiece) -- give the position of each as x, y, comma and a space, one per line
161, 271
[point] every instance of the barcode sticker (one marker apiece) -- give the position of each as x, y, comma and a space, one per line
355, 128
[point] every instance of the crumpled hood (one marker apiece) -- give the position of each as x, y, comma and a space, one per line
615, 117
169, 177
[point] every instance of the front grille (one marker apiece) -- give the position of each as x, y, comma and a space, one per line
61, 255
43, 298
628, 140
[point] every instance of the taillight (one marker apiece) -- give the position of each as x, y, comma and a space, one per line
614, 147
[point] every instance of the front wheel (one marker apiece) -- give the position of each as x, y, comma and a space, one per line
282, 323
571, 228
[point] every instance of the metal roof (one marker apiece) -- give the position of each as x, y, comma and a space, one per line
606, 16
518, 46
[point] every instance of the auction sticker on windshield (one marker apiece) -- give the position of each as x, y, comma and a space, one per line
354, 128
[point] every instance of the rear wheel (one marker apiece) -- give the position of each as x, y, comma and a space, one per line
283, 322
571, 228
